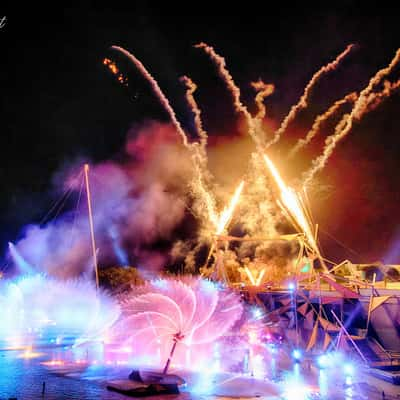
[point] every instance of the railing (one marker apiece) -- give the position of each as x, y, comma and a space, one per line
390, 355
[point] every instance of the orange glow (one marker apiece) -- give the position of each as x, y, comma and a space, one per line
53, 363
227, 213
28, 354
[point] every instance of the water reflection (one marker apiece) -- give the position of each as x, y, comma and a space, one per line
82, 373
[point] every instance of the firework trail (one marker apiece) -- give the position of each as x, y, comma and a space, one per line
365, 101
200, 157
157, 91
263, 90
376, 98
367, 96
205, 200
232, 87
303, 102
226, 76
191, 87
350, 98
254, 220
198, 185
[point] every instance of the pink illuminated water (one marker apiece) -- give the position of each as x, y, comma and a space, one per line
199, 314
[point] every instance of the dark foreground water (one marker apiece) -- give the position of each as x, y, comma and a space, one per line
22, 378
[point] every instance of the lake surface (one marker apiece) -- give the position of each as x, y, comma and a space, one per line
22, 378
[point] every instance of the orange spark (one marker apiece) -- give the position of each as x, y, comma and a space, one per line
114, 70
303, 102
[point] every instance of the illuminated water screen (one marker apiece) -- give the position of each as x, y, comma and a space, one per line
38, 308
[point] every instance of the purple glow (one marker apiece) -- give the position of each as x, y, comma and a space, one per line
195, 310
38, 307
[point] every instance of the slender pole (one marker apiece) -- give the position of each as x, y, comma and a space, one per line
370, 303
170, 356
344, 330
294, 298
86, 169
212, 247
316, 250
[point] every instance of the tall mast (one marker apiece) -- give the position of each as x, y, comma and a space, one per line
89, 201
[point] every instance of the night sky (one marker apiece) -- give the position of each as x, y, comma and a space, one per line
58, 103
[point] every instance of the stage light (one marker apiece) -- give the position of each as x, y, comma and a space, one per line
323, 361
296, 354
257, 313
348, 369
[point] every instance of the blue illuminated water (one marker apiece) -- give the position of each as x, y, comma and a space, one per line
23, 379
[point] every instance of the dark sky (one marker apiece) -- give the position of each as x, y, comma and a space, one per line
58, 102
